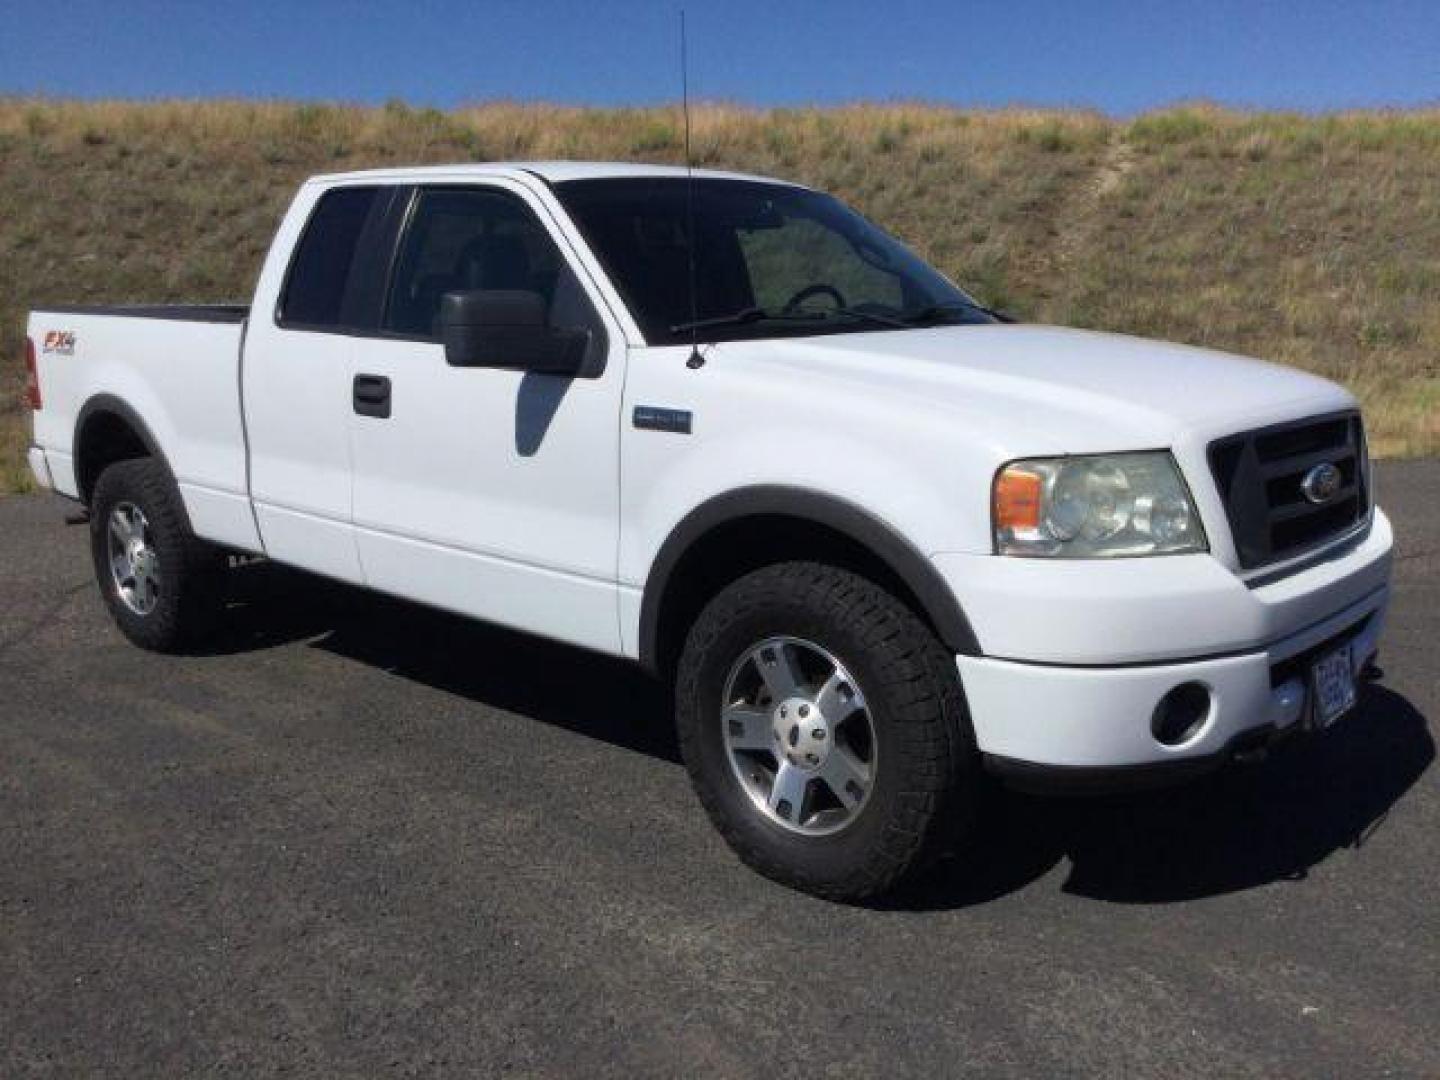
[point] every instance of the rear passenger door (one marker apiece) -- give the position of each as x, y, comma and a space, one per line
487, 491
298, 368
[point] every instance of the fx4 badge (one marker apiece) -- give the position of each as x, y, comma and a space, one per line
60, 342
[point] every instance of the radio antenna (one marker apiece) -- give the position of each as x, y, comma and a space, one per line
695, 360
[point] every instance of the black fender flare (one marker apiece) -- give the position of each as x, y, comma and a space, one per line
854, 522
109, 404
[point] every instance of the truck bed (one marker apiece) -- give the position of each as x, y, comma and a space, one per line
173, 368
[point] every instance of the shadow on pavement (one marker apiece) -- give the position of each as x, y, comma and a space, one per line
570, 688
1243, 827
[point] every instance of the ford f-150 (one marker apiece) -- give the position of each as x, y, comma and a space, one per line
882, 542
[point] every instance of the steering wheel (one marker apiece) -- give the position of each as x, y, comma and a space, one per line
820, 289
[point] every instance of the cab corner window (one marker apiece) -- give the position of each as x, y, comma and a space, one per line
320, 272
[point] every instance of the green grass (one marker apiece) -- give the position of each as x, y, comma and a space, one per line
1310, 240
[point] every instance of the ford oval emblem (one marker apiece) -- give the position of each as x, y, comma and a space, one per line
1321, 484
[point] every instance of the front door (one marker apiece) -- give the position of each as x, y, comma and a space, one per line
487, 491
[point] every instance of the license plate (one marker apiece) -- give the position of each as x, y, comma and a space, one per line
1333, 682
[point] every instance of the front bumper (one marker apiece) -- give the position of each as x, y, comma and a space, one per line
1030, 717
1110, 641
1103, 612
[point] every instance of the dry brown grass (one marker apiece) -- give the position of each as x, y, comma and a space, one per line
1310, 240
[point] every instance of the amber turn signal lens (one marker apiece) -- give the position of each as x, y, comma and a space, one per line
1017, 499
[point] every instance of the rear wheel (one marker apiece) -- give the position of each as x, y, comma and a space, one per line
825, 731
160, 582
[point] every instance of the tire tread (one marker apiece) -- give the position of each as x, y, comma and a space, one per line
935, 742
190, 566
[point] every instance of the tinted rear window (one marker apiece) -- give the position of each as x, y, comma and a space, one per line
325, 256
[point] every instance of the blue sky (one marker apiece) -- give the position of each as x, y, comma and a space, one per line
1116, 56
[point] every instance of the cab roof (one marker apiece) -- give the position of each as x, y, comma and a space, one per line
554, 172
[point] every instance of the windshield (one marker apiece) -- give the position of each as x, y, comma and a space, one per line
770, 260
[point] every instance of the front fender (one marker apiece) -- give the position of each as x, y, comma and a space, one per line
877, 536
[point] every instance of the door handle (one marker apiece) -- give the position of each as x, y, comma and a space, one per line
372, 396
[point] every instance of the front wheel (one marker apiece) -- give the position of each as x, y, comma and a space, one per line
160, 582
825, 731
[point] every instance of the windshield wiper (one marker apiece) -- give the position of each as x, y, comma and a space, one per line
739, 318
929, 314
872, 316
760, 314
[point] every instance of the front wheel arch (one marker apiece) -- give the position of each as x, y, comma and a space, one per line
678, 584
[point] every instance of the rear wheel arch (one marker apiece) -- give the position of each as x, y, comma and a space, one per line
743, 530
107, 430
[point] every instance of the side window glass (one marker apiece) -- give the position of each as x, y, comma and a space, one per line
460, 240
320, 270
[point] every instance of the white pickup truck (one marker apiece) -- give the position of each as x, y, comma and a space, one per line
881, 542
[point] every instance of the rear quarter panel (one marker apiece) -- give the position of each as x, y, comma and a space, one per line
181, 378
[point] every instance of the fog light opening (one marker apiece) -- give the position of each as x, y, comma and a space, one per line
1181, 714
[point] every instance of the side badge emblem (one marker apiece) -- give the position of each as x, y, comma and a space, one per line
654, 418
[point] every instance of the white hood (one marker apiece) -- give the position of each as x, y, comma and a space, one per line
1068, 385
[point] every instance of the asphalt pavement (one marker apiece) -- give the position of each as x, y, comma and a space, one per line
364, 838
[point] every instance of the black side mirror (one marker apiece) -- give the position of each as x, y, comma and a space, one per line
505, 328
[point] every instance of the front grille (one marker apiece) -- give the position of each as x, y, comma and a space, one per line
1259, 474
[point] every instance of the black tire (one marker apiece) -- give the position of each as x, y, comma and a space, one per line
928, 779
189, 596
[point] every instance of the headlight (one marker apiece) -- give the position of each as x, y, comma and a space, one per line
1095, 507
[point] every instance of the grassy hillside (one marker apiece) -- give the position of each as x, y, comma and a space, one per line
1314, 241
